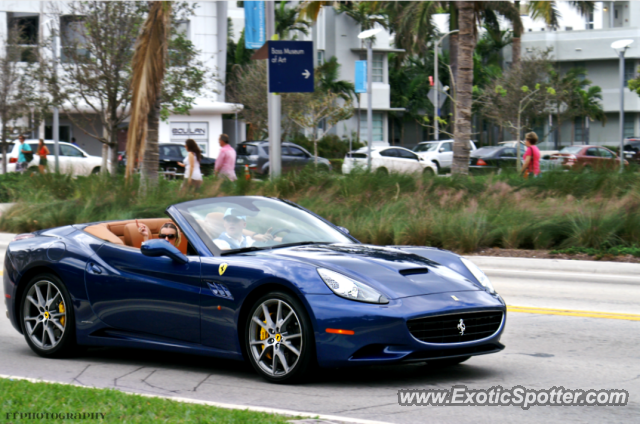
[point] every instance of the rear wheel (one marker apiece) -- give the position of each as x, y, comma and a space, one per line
96, 170
279, 338
382, 171
47, 317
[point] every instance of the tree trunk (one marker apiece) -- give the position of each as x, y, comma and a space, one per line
453, 53
466, 46
151, 160
3, 137
358, 118
516, 45
104, 168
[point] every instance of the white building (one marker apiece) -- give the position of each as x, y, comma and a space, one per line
207, 29
585, 42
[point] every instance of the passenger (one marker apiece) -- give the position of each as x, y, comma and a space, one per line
168, 232
233, 237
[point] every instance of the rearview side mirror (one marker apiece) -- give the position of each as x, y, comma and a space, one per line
441, 150
156, 248
344, 230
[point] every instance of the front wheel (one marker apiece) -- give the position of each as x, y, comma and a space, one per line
48, 321
279, 338
428, 172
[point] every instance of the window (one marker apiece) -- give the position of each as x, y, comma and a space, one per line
173, 151
377, 125
405, 154
605, 154
25, 28
247, 150
320, 57
294, 151
630, 70
66, 150
389, 153
377, 70
590, 20
579, 134
629, 125
509, 153
592, 152
448, 147
72, 39
182, 28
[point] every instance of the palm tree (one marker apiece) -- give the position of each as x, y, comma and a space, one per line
590, 108
148, 68
328, 74
412, 24
288, 21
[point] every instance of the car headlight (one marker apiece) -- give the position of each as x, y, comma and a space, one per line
349, 288
480, 276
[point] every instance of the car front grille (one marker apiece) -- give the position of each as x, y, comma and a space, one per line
456, 328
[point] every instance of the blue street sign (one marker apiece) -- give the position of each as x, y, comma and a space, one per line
255, 33
361, 76
291, 67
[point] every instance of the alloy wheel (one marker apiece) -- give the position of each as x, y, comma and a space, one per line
44, 315
275, 337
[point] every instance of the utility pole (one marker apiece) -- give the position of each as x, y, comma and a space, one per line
436, 86
274, 104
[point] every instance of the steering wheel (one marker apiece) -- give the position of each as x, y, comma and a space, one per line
281, 230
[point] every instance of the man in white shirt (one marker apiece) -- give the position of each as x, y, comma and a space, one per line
232, 237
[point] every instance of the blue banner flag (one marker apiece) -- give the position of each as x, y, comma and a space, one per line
361, 76
255, 33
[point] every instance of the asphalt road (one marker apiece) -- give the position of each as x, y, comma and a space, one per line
542, 351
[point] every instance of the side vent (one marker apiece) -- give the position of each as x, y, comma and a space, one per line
414, 271
220, 290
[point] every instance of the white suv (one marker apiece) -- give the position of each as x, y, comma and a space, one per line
388, 159
73, 160
439, 152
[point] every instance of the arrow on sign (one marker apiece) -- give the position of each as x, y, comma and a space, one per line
306, 74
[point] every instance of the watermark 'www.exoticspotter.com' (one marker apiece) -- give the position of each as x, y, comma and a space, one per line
516, 396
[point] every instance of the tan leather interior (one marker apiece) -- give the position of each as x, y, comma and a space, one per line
126, 232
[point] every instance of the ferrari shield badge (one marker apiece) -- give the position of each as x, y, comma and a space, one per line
223, 268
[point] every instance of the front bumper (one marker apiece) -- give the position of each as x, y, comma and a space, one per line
381, 335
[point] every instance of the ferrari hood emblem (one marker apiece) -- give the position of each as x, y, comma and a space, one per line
461, 327
223, 268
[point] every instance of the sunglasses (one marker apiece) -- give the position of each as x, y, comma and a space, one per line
167, 236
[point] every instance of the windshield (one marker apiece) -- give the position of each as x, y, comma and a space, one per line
238, 223
426, 147
571, 149
486, 151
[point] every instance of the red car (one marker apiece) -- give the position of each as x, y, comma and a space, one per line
587, 157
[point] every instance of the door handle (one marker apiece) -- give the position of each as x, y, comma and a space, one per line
94, 269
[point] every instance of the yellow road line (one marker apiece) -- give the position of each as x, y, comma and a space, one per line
573, 313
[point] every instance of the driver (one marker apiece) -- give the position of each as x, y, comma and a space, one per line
233, 237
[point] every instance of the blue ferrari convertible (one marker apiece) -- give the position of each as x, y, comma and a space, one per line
248, 278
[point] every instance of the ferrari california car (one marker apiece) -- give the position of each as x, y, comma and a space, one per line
249, 278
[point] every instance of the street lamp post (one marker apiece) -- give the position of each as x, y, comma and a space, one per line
620, 48
56, 116
436, 132
368, 35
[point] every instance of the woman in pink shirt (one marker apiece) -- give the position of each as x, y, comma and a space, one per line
226, 161
531, 156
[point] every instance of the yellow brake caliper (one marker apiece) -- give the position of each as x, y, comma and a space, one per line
61, 309
264, 336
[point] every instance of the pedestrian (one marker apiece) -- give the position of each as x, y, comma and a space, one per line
226, 161
531, 156
42, 151
25, 156
192, 173
73, 141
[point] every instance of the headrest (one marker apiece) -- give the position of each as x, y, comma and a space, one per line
132, 236
102, 232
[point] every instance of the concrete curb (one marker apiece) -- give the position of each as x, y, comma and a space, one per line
557, 265
329, 418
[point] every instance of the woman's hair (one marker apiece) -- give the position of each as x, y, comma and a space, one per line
173, 227
40, 143
532, 137
193, 147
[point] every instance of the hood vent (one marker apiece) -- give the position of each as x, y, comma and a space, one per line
414, 271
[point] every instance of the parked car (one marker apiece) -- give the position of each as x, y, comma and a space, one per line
438, 152
388, 159
632, 150
72, 159
170, 155
314, 295
587, 158
255, 154
493, 159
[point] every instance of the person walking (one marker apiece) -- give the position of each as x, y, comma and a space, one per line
531, 156
25, 156
42, 152
192, 173
226, 161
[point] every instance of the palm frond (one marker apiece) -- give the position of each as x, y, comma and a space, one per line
545, 10
148, 67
